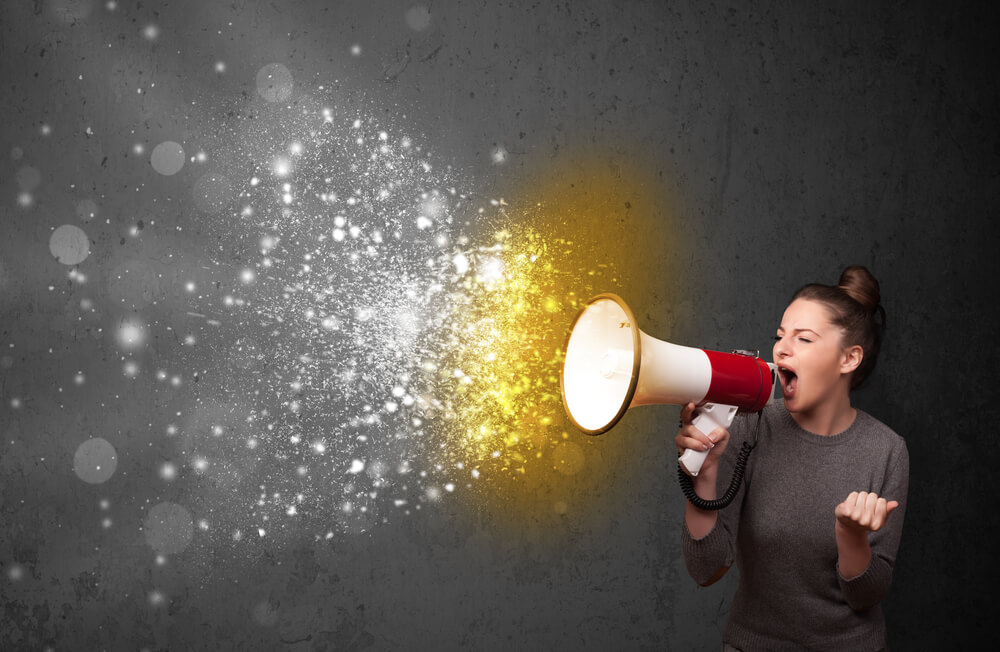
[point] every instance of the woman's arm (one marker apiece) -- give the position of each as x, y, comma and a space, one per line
868, 538
708, 542
861, 513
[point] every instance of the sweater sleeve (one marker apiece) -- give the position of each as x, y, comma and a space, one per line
868, 588
704, 557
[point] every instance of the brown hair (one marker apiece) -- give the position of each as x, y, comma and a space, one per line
855, 305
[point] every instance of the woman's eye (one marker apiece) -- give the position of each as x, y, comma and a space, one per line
777, 338
803, 339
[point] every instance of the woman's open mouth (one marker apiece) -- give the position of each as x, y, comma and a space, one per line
789, 381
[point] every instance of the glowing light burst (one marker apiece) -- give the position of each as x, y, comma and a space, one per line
381, 341
506, 350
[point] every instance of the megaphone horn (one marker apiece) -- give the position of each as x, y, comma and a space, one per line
612, 366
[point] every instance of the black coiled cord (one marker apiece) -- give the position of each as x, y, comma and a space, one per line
687, 484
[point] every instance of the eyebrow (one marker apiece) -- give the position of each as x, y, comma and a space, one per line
802, 330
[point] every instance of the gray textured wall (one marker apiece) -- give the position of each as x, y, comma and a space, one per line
779, 141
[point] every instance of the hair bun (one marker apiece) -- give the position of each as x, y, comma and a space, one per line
860, 285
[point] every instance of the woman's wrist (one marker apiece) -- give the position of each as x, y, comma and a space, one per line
853, 550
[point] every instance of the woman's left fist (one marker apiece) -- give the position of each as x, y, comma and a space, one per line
862, 510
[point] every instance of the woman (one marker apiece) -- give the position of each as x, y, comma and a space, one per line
816, 525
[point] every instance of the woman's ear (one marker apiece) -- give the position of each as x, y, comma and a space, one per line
851, 359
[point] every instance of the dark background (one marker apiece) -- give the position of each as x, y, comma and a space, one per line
784, 140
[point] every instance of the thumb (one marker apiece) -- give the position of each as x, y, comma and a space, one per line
891, 505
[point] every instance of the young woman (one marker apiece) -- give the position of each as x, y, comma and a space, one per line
816, 524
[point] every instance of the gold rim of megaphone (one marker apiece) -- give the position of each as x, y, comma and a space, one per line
636, 359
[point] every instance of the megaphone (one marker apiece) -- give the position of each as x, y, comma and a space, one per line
612, 366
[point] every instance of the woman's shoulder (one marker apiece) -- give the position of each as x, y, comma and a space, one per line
876, 430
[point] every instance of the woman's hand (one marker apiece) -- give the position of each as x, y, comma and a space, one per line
690, 437
863, 511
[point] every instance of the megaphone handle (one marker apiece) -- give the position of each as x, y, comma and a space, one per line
710, 416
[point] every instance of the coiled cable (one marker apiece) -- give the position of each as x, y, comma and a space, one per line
687, 484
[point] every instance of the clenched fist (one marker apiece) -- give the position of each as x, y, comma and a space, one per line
864, 511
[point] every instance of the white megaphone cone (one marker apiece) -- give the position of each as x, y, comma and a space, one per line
612, 366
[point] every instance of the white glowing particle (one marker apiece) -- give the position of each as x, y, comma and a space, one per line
461, 263
338, 235
79, 378
295, 148
449, 487
475, 473
220, 66
357, 466
190, 286
130, 368
391, 406
131, 334
356, 50
282, 167
423, 222
319, 447
247, 276
168, 471
151, 32
491, 269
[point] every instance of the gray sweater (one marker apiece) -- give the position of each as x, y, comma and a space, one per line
780, 532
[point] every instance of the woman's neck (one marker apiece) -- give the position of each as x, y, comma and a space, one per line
831, 417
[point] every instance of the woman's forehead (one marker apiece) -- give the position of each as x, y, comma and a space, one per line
806, 313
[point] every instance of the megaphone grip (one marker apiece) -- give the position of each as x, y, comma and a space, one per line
710, 416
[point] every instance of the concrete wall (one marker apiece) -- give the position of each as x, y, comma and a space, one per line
744, 148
